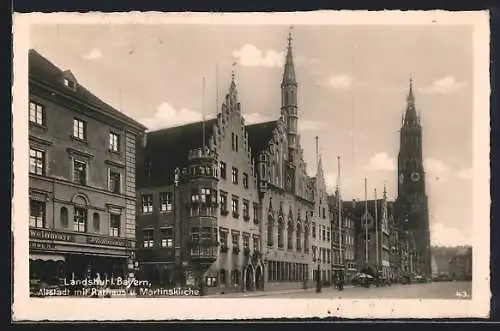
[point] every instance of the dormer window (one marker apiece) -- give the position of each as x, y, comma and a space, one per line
69, 84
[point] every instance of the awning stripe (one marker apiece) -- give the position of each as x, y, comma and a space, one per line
47, 257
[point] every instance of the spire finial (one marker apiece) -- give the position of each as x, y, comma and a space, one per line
232, 73
290, 38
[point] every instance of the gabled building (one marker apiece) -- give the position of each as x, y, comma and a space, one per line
81, 179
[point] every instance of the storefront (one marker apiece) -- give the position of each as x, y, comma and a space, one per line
55, 256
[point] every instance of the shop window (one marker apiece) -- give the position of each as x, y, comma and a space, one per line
211, 281
222, 276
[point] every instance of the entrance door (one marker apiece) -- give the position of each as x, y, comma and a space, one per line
259, 278
249, 279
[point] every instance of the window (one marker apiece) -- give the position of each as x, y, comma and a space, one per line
36, 113
270, 231
147, 204
314, 253
246, 211
79, 129
79, 172
324, 213
235, 207
222, 170
167, 237
195, 196
64, 217
328, 234
37, 162
323, 233
37, 214
223, 202
208, 196
236, 145
262, 170
255, 213
147, 236
114, 225
298, 240
256, 244
290, 236
245, 180
234, 174
80, 220
235, 239
233, 144
115, 181
280, 233
114, 142
313, 229
211, 281
246, 240
166, 202
68, 83
96, 222
223, 238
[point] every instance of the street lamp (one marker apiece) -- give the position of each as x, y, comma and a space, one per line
318, 277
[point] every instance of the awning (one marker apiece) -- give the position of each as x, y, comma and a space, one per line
47, 257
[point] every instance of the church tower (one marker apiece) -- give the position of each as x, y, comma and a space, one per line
289, 101
412, 197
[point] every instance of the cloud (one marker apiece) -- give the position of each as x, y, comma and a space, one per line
330, 182
341, 81
465, 174
445, 85
435, 167
253, 118
167, 116
307, 125
93, 55
251, 56
442, 235
381, 162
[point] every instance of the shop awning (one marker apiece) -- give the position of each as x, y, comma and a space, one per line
47, 257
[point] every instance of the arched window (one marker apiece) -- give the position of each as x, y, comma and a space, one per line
270, 232
64, 217
96, 222
290, 235
281, 229
306, 239
299, 238
222, 276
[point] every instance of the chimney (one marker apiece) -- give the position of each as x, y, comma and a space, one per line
353, 203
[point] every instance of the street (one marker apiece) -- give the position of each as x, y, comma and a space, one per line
437, 290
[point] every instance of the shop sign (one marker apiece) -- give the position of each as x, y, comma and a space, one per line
108, 242
39, 245
51, 235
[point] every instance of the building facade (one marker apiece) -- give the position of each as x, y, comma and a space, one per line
460, 265
412, 205
81, 179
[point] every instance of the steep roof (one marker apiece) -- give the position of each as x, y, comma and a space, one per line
168, 149
44, 71
259, 136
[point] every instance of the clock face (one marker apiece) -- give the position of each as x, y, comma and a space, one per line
401, 178
415, 176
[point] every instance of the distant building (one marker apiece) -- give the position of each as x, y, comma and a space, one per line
461, 265
81, 179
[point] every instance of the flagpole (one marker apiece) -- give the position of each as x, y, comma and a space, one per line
376, 230
340, 214
366, 224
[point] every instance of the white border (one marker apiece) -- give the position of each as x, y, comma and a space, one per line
67, 309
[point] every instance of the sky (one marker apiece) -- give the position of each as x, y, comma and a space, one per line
353, 82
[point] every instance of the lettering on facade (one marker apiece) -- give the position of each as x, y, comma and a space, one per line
51, 235
108, 242
38, 245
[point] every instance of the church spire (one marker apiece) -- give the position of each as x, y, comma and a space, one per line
289, 73
411, 117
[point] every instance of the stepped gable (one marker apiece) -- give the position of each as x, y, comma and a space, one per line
259, 136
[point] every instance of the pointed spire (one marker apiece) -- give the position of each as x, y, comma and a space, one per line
411, 113
385, 193
289, 72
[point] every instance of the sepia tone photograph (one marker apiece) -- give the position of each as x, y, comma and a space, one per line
252, 156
